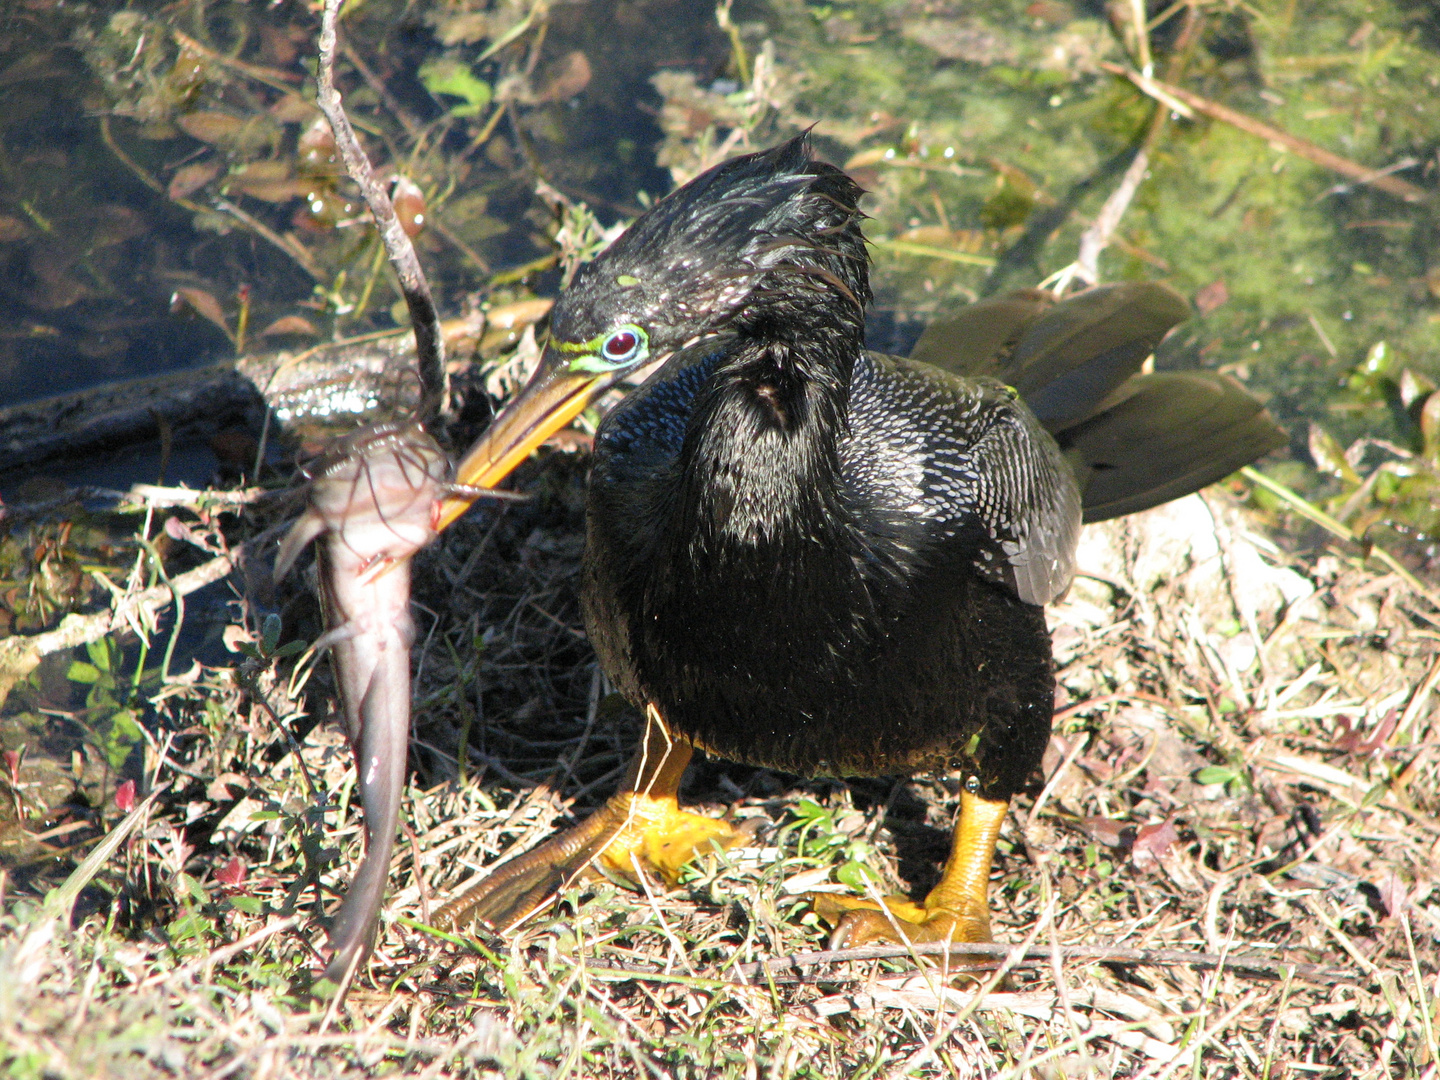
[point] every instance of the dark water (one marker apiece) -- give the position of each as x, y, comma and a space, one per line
156, 188
91, 255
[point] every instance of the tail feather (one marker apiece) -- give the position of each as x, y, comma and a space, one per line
1082, 350
1163, 436
1134, 441
979, 339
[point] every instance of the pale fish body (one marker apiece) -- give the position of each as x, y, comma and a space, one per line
375, 499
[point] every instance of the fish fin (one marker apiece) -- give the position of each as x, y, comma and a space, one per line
307, 527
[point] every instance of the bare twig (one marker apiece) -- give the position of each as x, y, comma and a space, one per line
381, 90
1096, 953
429, 344
1187, 103
20, 654
1098, 236
273, 77
288, 245
139, 495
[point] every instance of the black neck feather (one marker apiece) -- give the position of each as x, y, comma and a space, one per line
760, 464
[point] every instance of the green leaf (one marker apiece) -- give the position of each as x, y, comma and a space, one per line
191, 926
855, 875
250, 905
81, 672
809, 810
195, 890
99, 652
1216, 774
290, 648
123, 734
270, 633
454, 79
1329, 457
266, 815
1375, 794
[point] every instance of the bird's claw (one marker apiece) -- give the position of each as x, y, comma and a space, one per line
858, 922
631, 834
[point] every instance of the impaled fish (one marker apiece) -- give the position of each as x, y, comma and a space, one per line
375, 499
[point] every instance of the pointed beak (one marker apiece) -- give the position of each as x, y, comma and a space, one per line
554, 396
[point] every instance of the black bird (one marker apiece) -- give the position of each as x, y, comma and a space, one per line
804, 555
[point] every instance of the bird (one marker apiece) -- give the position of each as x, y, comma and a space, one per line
808, 556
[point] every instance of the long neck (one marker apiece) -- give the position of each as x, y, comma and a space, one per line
760, 464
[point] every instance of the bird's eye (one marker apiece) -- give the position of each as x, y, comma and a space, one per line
623, 348
623, 345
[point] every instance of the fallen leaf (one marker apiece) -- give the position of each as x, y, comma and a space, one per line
1353, 741
203, 304
290, 324
519, 314
293, 109
273, 191
192, 178
1111, 833
232, 873
210, 127
570, 76
269, 181
1152, 843
220, 789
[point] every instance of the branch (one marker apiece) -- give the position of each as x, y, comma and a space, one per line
19, 655
1097, 237
429, 345
1188, 103
1096, 953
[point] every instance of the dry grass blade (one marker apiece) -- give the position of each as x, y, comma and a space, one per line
61, 902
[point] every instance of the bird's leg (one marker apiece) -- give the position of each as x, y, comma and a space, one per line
640, 827
957, 909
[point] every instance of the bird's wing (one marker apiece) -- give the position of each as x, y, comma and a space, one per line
969, 459
1064, 358
1133, 441
980, 339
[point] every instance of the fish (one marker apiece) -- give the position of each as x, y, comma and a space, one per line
375, 499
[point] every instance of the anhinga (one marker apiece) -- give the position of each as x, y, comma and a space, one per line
807, 556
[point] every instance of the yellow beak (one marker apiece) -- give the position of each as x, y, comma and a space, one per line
551, 399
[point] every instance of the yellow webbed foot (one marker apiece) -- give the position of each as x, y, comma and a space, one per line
958, 908
657, 835
863, 922
641, 825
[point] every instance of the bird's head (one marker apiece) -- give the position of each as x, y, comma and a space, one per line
769, 239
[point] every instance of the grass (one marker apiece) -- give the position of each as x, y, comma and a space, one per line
1202, 795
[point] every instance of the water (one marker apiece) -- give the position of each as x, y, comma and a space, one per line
156, 188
